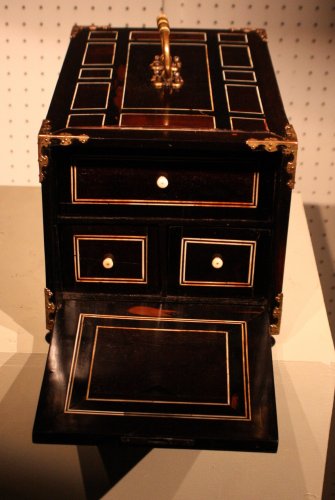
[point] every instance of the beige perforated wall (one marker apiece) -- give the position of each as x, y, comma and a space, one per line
34, 36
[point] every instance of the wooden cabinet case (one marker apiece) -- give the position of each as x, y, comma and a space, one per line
166, 185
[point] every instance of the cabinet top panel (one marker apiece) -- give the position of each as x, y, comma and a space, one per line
221, 83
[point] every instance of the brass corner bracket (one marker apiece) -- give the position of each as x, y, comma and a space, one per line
262, 33
46, 138
276, 315
50, 309
166, 69
76, 29
289, 145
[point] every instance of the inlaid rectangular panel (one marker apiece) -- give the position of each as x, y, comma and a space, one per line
195, 94
235, 56
170, 371
153, 36
92, 95
99, 53
243, 99
86, 120
110, 258
197, 185
102, 35
248, 124
217, 262
239, 76
169, 121
162, 374
233, 37
95, 73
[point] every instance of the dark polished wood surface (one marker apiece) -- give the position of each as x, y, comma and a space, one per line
159, 380
165, 237
227, 75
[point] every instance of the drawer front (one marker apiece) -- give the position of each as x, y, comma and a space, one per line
99, 257
214, 261
110, 258
173, 188
164, 186
225, 262
217, 262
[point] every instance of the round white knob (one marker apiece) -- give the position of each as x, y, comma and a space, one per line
108, 263
162, 182
217, 262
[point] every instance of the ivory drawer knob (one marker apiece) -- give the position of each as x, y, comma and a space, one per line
162, 182
108, 263
217, 262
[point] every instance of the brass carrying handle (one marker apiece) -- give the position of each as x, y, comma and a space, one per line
165, 68
164, 32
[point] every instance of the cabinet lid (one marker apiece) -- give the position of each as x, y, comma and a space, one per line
159, 374
108, 86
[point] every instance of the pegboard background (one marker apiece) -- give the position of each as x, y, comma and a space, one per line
34, 36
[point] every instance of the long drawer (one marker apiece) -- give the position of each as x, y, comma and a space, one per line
183, 187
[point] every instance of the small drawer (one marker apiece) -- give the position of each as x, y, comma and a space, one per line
110, 259
103, 258
217, 262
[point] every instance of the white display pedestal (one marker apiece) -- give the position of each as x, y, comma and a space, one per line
304, 379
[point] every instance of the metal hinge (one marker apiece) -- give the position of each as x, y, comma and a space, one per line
50, 309
276, 315
289, 145
46, 138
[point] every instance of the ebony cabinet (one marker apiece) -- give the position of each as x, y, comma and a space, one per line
166, 188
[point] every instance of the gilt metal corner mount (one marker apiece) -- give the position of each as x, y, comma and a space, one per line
46, 138
289, 146
50, 309
276, 315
